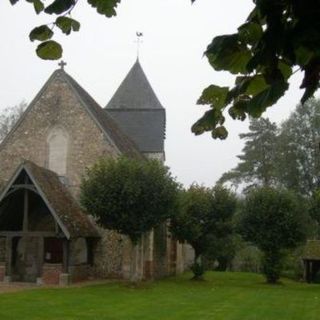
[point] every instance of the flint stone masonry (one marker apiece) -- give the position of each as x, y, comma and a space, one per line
2, 271
78, 252
56, 107
109, 254
51, 273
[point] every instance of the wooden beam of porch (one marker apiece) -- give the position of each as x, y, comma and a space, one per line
46, 234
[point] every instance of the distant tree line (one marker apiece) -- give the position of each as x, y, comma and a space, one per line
9, 117
286, 156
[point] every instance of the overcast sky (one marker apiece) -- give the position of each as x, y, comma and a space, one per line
99, 56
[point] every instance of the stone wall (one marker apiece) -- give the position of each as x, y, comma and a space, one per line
78, 252
2, 249
80, 272
155, 155
109, 253
51, 273
56, 107
2, 271
160, 253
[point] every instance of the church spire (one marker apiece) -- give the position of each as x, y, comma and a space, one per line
135, 92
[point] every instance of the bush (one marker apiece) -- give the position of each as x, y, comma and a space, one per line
275, 221
248, 259
129, 196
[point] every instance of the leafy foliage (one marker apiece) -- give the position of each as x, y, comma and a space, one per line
52, 50
298, 148
258, 160
222, 251
9, 117
314, 210
205, 215
49, 50
129, 196
274, 220
287, 156
276, 37
67, 25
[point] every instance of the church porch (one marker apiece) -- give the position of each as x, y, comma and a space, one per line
36, 245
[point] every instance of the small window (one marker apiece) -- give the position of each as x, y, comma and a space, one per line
58, 150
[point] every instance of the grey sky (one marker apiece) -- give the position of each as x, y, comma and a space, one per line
100, 55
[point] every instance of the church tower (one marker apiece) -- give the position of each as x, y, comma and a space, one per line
139, 113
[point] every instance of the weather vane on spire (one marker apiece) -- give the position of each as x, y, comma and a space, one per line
138, 42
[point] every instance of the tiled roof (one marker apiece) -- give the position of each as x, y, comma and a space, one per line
73, 221
312, 250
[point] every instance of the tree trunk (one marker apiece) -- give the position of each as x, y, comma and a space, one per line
136, 269
197, 267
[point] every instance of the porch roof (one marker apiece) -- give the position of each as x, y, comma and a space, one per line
72, 220
311, 250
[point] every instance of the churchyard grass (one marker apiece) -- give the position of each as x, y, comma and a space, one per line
227, 296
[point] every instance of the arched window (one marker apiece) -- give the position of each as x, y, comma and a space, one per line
58, 150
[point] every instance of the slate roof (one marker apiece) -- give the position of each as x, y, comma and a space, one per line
138, 112
145, 127
312, 250
135, 92
73, 221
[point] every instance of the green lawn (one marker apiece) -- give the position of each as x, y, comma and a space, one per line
228, 296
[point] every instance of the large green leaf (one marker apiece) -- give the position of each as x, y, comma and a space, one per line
38, 6
266, 98
59, 6
105, 7
303, 55
207, 122
256, 85
67, 24
41, 33
214, 95
227, 53
239, 108
49, 50
285, 69
250, 32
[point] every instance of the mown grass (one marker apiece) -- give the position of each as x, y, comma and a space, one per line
227, 296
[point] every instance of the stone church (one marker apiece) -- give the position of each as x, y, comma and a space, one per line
45, 236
